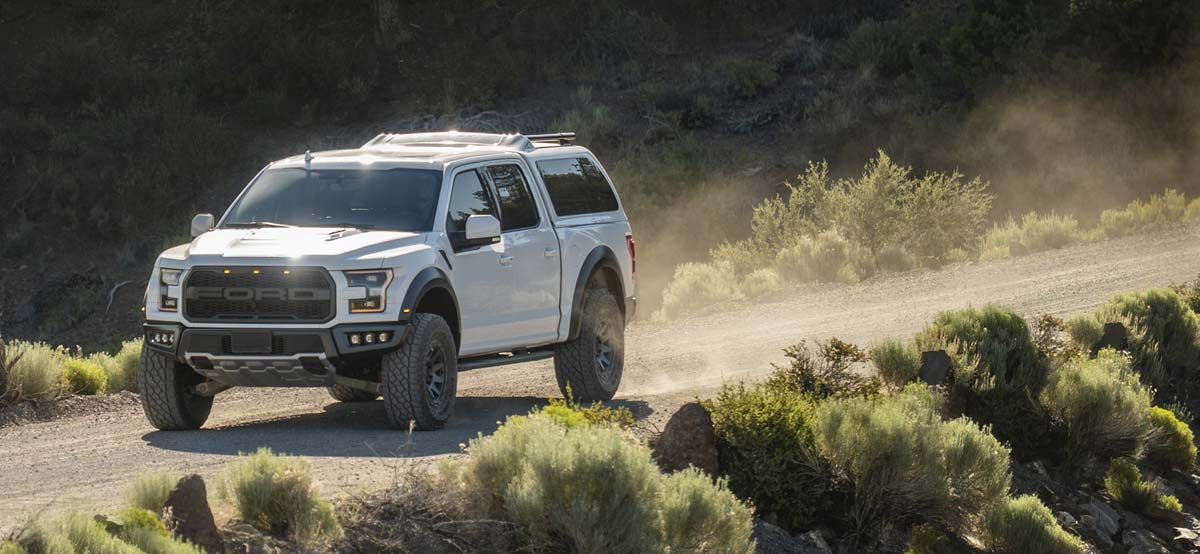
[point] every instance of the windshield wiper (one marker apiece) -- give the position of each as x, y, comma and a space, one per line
258, 224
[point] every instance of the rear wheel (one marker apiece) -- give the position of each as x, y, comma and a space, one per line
168, 392
342, 393
591, 365
420, 378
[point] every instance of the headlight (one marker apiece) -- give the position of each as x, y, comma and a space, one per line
168, 278
374, 284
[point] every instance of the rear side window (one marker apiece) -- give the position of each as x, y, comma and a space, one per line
577, 186
469, 197
517, 210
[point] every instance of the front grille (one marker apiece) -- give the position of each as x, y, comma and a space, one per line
302, 295
219, 343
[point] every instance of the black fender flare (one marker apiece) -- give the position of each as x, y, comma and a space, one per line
599, 258
426, 280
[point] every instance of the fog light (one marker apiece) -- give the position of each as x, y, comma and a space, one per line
355, 339
383, 337
370, 337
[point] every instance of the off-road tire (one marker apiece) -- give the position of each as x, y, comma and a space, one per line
342, 393
410, 372
167, 393
578, 363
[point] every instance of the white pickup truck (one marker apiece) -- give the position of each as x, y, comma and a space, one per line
387, 269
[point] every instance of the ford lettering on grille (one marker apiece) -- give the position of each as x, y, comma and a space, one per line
258, 294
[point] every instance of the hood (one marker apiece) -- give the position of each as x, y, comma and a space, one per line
324, 246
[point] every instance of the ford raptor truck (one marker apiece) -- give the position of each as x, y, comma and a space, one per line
387, 269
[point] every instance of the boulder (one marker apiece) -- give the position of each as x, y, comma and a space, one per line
1115, 336
1140, 542
935, 367
688, 440
189, 517
1106, 518
770, 539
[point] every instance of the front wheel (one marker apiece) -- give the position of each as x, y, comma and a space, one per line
591, 365
168, 390
420, 378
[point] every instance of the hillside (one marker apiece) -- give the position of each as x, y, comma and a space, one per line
119, 120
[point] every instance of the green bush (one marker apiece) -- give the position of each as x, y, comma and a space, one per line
906, 463
38, 374
879, 45
1124, 482
589, 489
76, 532
1011, 412
84, 377
1101, 403
897, 363
829, 371
276, 494
568, 413
10, 547
1035, 233
760, 282
1172, 445
1023, 525
1168, 207
122, 368
1162, 335
697, 285
1085, 330
769, 454
149, 490
995, 338
894, 258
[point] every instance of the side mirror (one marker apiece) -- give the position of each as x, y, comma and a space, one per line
202, 223
482, 229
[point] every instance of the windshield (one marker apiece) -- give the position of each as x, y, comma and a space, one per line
390, 199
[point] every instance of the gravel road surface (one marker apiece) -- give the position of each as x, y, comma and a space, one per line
85, 460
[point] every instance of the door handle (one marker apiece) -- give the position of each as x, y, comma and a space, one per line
506, 261
551, 253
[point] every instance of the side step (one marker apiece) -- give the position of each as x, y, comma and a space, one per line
493, 360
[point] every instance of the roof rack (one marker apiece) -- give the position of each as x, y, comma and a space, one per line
461, 139
562, 139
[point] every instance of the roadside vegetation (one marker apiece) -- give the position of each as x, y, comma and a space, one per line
886, 220
33, 371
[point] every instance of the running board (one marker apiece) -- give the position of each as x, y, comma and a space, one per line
494, 360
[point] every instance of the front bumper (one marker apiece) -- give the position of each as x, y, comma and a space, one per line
270, 357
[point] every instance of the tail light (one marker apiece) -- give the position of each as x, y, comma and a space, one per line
632, 252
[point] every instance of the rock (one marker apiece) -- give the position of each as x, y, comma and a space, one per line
1140, 542
1168, 516
189, 517
1107, 520
1131, 520
1089, 529
243, 538
1066, 520
935, 367
770, 539
1115, 336
1187, 537
688, 440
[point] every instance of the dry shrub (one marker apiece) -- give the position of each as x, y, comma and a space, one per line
590, 489
38, 374
1163, 334
1035, 233
149, 491
823, 258
1023, 525
276, 494
1102, 404
907, 464
760, 282
696, 285
1168, 207
1085, 330
897, 362
122, 368
827, 371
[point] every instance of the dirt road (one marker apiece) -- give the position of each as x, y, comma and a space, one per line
86, 461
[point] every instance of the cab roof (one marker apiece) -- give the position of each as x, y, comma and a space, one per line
436, 150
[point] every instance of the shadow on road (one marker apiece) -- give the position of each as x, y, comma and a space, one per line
357, 429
